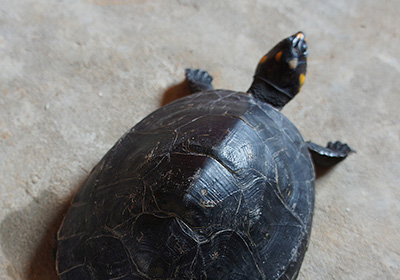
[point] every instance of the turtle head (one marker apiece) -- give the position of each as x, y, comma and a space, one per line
281, 72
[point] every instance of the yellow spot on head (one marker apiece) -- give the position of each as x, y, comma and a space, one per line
278, 56
300, 36
302, 79
263, 59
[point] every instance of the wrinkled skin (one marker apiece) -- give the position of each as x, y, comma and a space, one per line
216, 185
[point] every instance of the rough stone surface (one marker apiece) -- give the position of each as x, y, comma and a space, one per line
75, 75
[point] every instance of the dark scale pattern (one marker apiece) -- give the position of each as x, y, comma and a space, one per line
216, 185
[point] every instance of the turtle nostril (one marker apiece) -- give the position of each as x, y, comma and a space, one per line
299, 42
300, 35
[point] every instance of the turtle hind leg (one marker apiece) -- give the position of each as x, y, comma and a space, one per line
198, 80
328, 156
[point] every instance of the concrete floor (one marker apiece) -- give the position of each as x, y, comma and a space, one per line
75, 75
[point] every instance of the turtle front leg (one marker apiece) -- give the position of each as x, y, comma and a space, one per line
328, 156
198, 80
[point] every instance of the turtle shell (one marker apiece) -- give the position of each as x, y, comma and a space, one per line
216, 185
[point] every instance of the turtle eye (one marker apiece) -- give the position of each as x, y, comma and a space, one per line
303, 47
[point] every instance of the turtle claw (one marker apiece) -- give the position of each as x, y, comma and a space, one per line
198, 80
333, 153
340, 148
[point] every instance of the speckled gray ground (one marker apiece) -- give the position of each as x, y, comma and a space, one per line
75, 75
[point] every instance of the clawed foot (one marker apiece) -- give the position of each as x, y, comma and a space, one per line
198, 80
339, 148
327, 156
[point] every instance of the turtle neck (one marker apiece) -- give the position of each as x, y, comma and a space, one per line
265, 92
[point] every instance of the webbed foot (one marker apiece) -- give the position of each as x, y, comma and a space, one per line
328, 156
198, 80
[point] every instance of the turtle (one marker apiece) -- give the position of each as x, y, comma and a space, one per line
216, 185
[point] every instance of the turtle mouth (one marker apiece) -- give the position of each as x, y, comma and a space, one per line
299, 43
